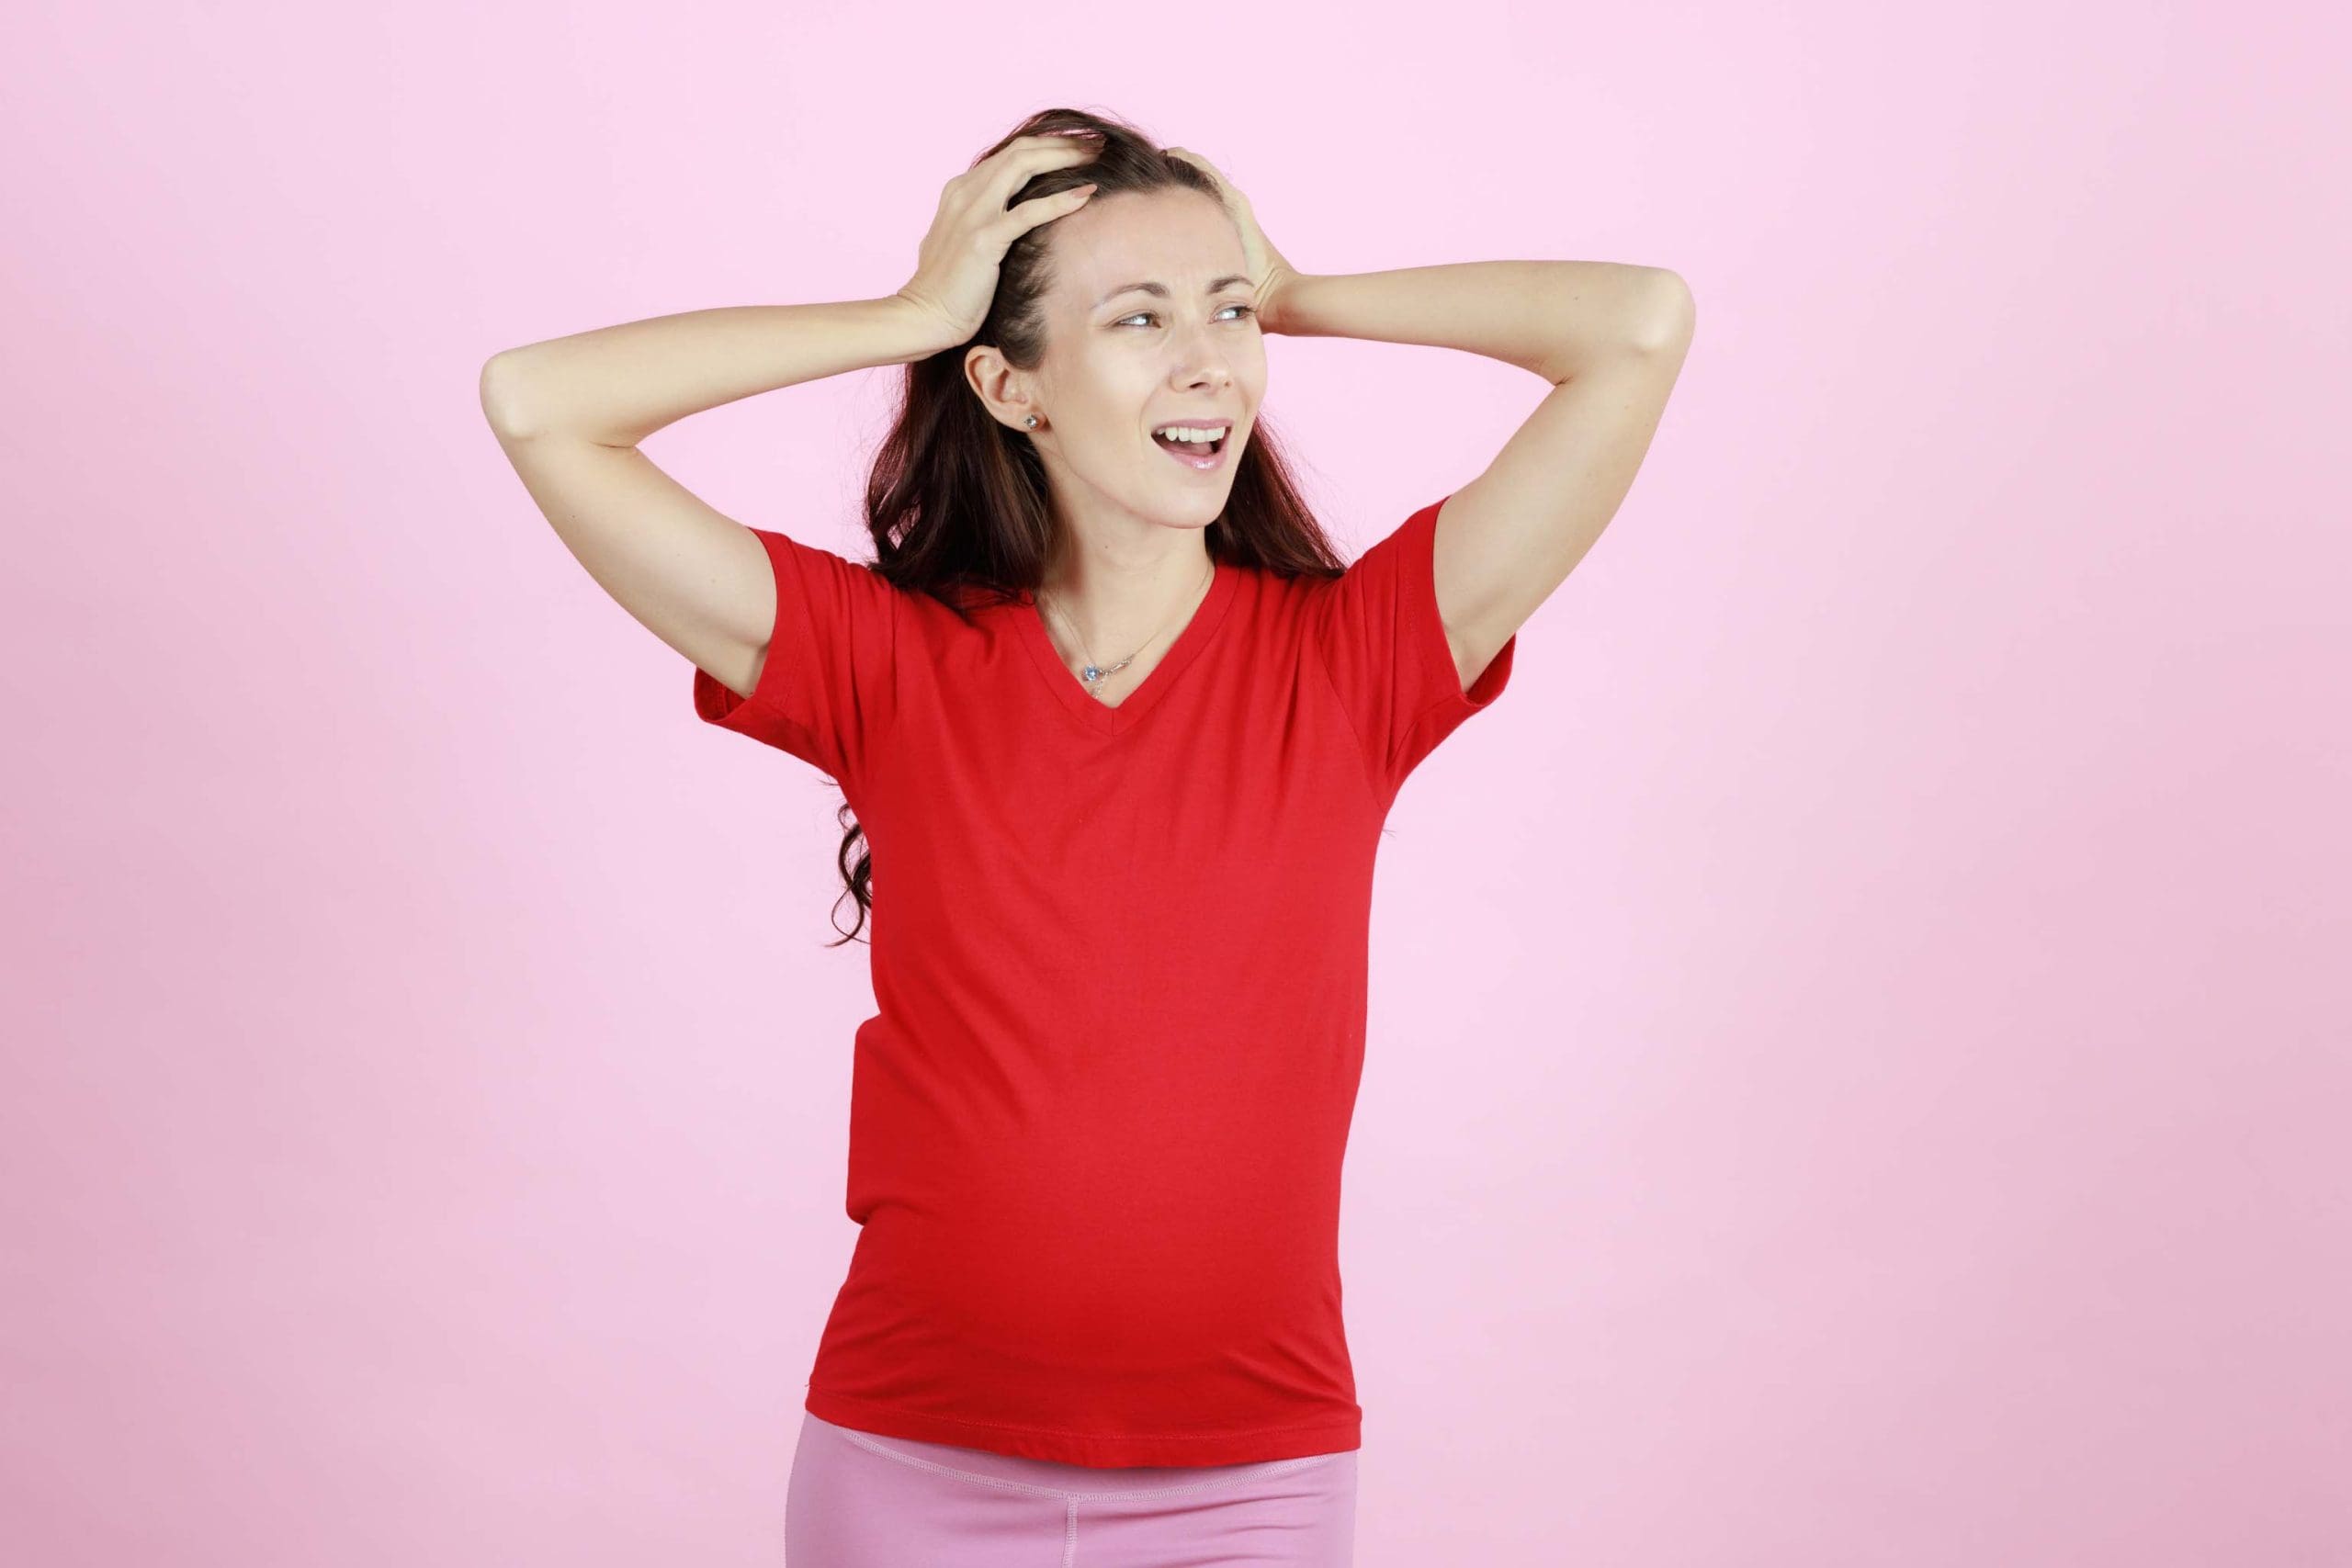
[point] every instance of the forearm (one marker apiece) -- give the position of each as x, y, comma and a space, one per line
1549, 317
617, 385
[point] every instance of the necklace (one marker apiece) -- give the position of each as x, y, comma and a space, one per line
1095, 674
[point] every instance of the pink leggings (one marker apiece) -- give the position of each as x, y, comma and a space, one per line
861, 1500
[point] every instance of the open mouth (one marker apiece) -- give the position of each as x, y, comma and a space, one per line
1194, 454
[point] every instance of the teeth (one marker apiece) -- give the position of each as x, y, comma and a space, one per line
1191, 432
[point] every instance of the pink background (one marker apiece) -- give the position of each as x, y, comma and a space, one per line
1859, 1067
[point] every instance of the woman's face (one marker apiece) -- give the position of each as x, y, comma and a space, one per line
1121, 362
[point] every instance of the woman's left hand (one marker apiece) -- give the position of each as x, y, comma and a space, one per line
1265, 263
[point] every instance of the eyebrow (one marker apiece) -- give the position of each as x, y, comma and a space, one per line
1227, 281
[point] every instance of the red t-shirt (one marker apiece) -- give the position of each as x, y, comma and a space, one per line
1118, 953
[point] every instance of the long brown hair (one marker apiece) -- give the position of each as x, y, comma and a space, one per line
958, 503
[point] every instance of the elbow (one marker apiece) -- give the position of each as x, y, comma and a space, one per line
1667, 324
502, 395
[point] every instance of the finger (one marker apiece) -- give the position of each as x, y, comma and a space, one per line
998, 175
1049, 145
1008, 198
1025, 157
1027, 215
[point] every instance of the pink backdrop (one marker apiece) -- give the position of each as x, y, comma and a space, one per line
1858, 1071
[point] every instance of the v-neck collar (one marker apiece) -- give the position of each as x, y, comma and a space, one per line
1092, 710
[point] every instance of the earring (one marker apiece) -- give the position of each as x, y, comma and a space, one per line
1031, 422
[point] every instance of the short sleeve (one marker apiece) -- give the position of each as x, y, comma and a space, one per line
1377, 630
827, 692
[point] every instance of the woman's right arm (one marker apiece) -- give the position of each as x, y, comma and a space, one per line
570, 411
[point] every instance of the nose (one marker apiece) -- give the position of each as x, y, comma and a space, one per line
1199, 362
1199, 358
1213, 375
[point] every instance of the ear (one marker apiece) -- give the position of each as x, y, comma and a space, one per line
1002, 391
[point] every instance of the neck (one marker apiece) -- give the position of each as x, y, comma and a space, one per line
1116, 603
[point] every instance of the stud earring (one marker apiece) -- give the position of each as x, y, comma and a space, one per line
1031, 422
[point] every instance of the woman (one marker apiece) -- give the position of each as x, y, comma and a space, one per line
1123, 731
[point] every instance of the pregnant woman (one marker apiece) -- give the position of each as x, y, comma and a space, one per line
1119, 731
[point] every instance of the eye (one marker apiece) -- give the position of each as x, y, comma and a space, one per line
1154, 315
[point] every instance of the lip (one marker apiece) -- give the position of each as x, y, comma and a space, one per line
1207, 465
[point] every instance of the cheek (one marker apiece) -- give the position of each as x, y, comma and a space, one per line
1249, 370
1108, 375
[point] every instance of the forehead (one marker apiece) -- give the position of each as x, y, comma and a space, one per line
1180, 238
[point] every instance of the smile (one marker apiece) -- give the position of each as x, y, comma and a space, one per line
1198, 456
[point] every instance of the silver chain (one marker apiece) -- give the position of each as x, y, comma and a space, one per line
1093, 676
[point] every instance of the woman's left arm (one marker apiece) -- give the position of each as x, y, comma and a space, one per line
1610, 337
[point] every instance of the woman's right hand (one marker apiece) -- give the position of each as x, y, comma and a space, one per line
955, 280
